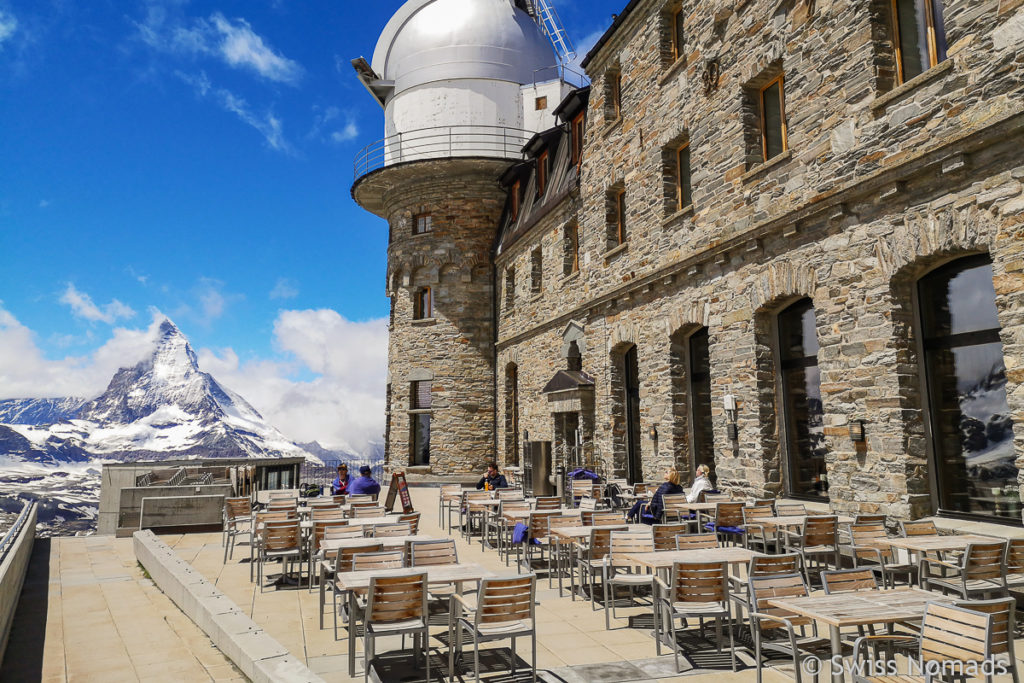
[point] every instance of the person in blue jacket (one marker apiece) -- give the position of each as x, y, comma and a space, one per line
364, 483
341, 482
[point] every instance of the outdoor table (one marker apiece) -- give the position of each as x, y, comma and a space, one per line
858, 608
796, 520
927, 544
456, 574
576, 534
373, 521
334, 545
664, 559
522, 516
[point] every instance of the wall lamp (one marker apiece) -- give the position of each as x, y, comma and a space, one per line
653, 433
857, 430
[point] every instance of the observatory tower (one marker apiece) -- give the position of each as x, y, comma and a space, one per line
464, 84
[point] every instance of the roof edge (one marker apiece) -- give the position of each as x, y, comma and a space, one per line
617, 22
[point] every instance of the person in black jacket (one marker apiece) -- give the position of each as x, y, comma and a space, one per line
650, 513
493, 479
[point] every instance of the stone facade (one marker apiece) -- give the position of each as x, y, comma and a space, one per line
880, 184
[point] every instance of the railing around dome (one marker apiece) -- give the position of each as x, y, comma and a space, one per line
443, 142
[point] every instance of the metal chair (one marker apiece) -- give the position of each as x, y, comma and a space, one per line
665, 535
280, 541
1004, 627
389, 530
818, 539
238, 519
766, 620
790, 509
448, 502
314, 554
503, 609
697, 590
981, 572
343, 563
259, 524
548, 503
605, 518
757, 536
413, 518
591, 559
502, 527
728, 521
397, 605
357, 511
381, 559
621, 544
867, 549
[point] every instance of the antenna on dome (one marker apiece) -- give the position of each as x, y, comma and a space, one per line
546, 16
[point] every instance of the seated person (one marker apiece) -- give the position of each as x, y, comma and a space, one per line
364, 483
493, 479
650, 513
341, 483
700, 484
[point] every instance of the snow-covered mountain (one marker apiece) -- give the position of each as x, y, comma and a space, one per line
38, 411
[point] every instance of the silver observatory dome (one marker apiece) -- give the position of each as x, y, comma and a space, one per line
437, 40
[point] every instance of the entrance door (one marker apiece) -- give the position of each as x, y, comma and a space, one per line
634, 467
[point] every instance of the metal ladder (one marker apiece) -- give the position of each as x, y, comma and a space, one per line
545, 14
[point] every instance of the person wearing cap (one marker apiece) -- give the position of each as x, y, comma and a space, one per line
364, 483
341, 483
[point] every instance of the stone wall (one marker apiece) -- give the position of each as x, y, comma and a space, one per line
880, 184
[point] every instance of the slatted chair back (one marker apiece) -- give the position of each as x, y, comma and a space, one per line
609, 518
580, 487
388, 530
696, 541
538, 523
413, 518
1015, 557
560, 521
763, 502
849, 580
279, 536
394, 599
274, 516
334, 533
322, 502
588, 504
1003, 613
665, 535
369, 511
625, 543
548, 503
717, 498
237, 508
429, 553
513, 506
790, 509
506, 602
510, 494
320, 528
639, 489
921, 527
767, 565
729, 514
362, 499
384, 559
282, 504
870, 535
985, 562
340, 499
869, 519
752, 514
600, 542
764, 588
326, 512
451, 491
821, 531
955, 634
281, 495
674, 503
343, 558
700, 582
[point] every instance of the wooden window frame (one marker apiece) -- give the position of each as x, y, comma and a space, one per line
414, 393
577, 140
542, 173
933, 45
510, 288
423, 309
516, 187
541, 103
680, 205
677, 47
537, 270
620, 216
615, 93
428, 222
781, 80
573, 238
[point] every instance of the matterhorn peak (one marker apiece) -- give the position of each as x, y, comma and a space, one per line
173, 359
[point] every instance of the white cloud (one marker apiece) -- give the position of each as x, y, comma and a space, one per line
267, 124
343, 405
210, 302
284, 288
575, 72
44, 203
241, 47
8, 25
82, 306
349, 132
343, 126
26, 373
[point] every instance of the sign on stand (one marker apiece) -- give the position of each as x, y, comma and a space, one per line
399, 487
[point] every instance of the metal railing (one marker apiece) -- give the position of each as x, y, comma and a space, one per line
444, 142
323, 474
12, 533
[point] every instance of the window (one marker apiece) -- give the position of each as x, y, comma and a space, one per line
515, 199
423, 305
918, 36
773, 119
512, 414
577, 140
510, 288
684, 195
614, 95
617, 229
422, 223
536, 270
702, 443
542, 173
419, 443
803, 414
571, 243
541, 103
970, 423
629, 370
677, 35
421, 394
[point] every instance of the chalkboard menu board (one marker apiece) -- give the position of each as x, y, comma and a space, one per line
399, 488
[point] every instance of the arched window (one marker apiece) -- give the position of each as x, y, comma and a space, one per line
802, 414
969, 419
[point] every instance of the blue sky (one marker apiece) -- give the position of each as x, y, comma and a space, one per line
192, 159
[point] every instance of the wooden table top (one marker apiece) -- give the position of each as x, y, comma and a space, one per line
332, 545
525, 514
795, 520
574, 532
940, 543
664, 559
860, 608
442, 573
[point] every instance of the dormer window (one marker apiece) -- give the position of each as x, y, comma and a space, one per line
577, 140
515, 199
542, 173
422, 224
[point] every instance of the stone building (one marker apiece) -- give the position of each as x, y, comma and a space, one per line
782, 239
